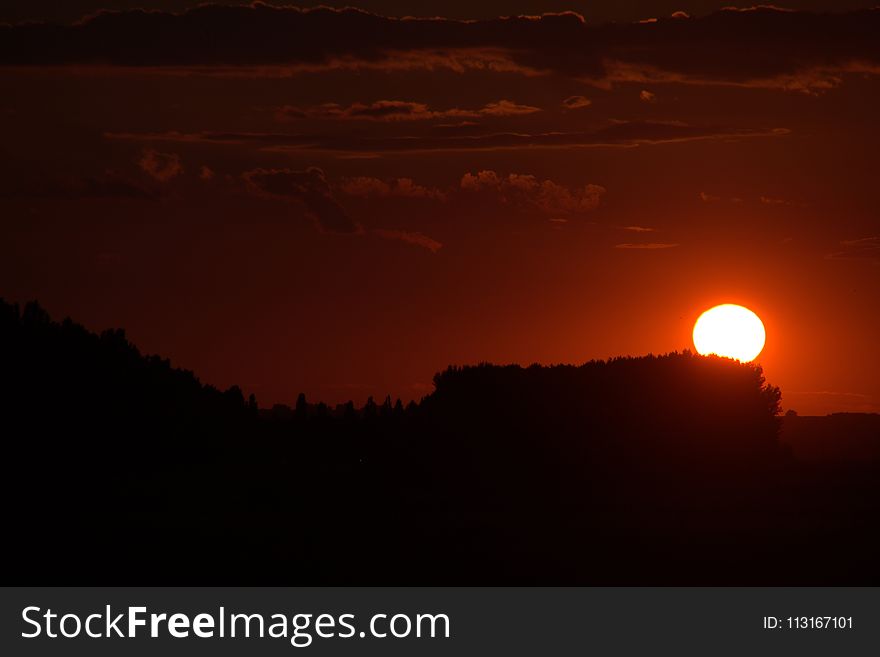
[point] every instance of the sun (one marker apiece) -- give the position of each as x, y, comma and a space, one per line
731, 331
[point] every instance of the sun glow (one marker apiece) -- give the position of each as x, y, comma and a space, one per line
731, 331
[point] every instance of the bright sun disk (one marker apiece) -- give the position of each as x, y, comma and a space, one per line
731, 331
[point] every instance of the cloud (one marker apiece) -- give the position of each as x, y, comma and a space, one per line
646, 245
765, 200
827, 393
160, 166
206, 173
507, 108
855, 402
368, 187
260, 35
475, 182
522, 190
310, 188
865, 248
418, 239
576, 102
647, 97
770, 200
400, 110
639, 229
759, 46
515, 191
107, 186
626, 134
618, 134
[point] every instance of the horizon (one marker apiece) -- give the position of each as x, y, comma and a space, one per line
360, 404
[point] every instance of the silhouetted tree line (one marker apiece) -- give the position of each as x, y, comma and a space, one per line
847, 438
661, 469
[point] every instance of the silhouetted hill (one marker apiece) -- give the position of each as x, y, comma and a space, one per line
93, 394
653, 470
847, 437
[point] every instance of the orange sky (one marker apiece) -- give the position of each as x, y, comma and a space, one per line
349, 224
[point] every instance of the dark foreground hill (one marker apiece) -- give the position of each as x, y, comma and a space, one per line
655, 470
851, 439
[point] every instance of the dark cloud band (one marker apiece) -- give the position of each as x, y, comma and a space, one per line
759, 46
620, 134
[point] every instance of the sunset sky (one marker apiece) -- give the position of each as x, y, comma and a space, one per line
342, 203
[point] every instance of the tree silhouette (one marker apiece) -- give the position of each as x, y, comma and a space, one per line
653, 470
302, 407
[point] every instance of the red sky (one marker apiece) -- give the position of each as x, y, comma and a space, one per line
343, 204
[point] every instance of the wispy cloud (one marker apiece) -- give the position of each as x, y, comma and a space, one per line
109, 185
310, 188
410, 237
576, 102
400, 110
756, 47
865, 248
525, 190
369, 187
648, 246
618, 134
